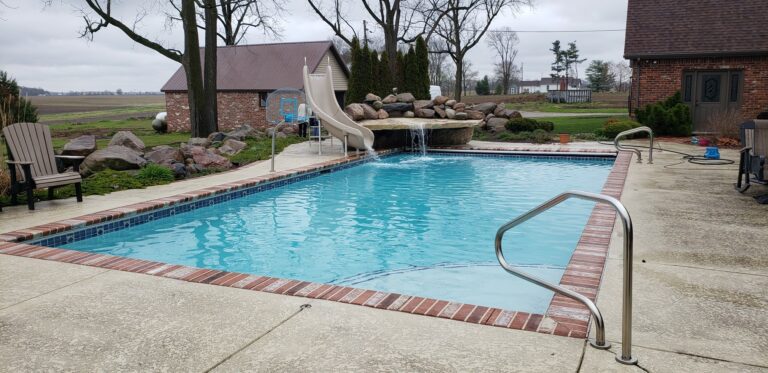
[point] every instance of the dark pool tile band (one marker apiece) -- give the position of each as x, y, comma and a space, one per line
564, 317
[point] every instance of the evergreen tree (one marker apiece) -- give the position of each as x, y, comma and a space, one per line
422, 61
600, 76
384, 77
374, 72
366, 81
355, 85
483, 87
399, 77
13, 107
411, 72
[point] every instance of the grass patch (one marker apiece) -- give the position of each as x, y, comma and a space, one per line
574, 125
261, 149
96, 114
586, 107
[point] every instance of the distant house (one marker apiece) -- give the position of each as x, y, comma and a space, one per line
246, 74
543, 85
714, 52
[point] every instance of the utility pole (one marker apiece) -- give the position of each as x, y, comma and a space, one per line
365, 32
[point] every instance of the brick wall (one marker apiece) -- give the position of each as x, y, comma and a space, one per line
235, 109
655, 80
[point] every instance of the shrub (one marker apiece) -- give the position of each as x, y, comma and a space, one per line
528, 125
540, 136
154, 174
668, 118
615, 126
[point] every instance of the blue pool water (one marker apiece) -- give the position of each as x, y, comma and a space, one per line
407, 224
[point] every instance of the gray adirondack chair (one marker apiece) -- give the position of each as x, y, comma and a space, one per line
32, 162
753, 163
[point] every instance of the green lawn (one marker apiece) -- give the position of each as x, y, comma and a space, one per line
548, 107
90, 115
578, 124
104, 129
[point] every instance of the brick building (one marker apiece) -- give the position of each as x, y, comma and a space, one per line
714, 52
247, 74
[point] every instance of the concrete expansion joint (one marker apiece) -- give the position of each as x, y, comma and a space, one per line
55, 290
303, 307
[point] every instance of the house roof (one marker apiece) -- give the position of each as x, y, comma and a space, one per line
261, 67
695, 28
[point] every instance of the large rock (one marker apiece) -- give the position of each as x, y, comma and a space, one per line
355, 111
460, 116
390, 99
179, 170
243, 132
232, 147
450, 113
113, 157
409, 114
382, 114
81, 146
164, 155
217, 137
207, 159
377, 105
440, 100
160, 125
423, 104
371, 98
440, 112
127, 139
199, 141
486, 108
512, 114
369, 112
499, 111
459, 106
405, 97
496, 124
399, 106
425, 113
450, 103
474, 114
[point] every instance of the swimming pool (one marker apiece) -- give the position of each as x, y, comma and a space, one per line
407, 224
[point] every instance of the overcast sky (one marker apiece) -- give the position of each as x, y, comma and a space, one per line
40, 47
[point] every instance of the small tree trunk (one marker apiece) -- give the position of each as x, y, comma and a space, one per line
209, 90
192, 68
459, 78
390, 48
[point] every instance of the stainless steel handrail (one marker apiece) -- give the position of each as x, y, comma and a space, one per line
636, 150
626, 325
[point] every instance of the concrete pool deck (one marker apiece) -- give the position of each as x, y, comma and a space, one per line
700, 240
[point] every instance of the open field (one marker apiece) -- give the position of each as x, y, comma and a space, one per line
81, 109
602, 102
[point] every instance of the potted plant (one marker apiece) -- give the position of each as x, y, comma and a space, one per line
565, 138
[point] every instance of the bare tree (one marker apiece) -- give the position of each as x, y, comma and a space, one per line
465, 22
468, 78
438, 66
622, 72
201, 121
236, 17
400, 21
504, 42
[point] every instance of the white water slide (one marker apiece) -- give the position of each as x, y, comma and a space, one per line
321, 97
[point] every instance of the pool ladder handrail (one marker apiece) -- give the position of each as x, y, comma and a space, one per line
599, 342
620, 148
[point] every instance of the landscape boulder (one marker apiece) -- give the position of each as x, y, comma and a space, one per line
425, 113
244, 132
207, 158
496, 124
127, 139
486, 108
113, 157
217, 137
409, 114
450, 103
405, 97
179, 170
377, 105
355, 111
199, 141
450, 113
81, 146
160, 126
460, 116
459, 106
440, 100
371, 98
440, 112
399, 106
232, 147
474, 114
423, 104
369, 112
382, 114
512, 114
164, 155
390, 99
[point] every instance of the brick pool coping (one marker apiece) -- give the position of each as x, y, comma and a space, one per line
564, 317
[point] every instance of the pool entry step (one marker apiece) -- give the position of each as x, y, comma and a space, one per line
626, 325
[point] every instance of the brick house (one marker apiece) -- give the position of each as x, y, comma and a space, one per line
247, 74
714, 52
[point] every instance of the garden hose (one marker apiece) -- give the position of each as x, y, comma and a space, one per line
695, 159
